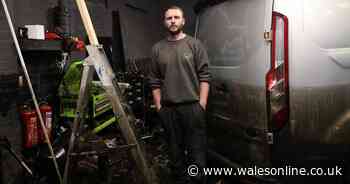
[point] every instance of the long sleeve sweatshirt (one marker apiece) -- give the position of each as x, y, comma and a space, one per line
177, 69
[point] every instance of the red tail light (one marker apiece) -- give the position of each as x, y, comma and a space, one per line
277, 80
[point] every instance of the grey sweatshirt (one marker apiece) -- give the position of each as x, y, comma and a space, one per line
177, 69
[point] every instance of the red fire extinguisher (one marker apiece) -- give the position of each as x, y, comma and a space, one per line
30, 122
46, 111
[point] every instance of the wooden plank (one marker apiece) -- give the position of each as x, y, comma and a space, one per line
128, 134
98, 58
85, 16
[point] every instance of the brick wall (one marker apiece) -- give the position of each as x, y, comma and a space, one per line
8, 64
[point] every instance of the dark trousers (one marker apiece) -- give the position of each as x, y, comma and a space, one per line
186, 132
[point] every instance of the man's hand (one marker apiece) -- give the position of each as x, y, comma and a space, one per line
156, 98
203, 104
158, 107
203, 96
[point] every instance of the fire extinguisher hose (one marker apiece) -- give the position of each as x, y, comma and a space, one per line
31, 89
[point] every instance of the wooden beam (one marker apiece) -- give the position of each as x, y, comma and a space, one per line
85, 16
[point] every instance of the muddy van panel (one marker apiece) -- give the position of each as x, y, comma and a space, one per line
318, 77
233, 33
319, 72
318, 37
320, 115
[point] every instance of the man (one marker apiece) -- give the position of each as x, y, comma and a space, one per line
180, 84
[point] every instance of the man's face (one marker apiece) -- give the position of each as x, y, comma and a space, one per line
174, 21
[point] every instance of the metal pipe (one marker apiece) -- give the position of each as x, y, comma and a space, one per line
7, 145
31, 88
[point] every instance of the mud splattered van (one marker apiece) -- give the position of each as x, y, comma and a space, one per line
280, 94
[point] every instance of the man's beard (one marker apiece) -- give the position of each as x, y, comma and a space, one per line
178, 30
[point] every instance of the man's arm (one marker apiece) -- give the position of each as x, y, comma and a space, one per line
202, 67
156, 98
154, 79
203, 95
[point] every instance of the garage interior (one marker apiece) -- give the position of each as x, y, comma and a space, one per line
127, 30
131, 148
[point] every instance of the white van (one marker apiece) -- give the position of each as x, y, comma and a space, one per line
280, 93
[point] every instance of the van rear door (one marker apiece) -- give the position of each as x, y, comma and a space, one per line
240, 58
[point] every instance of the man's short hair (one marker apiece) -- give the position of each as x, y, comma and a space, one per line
173, 7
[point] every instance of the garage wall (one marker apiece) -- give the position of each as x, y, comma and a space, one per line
146, 14
38, 12
7, 64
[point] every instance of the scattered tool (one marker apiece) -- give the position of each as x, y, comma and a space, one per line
98, 61
101, 152
4, 142
31, 89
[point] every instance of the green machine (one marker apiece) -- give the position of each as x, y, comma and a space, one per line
100, 113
